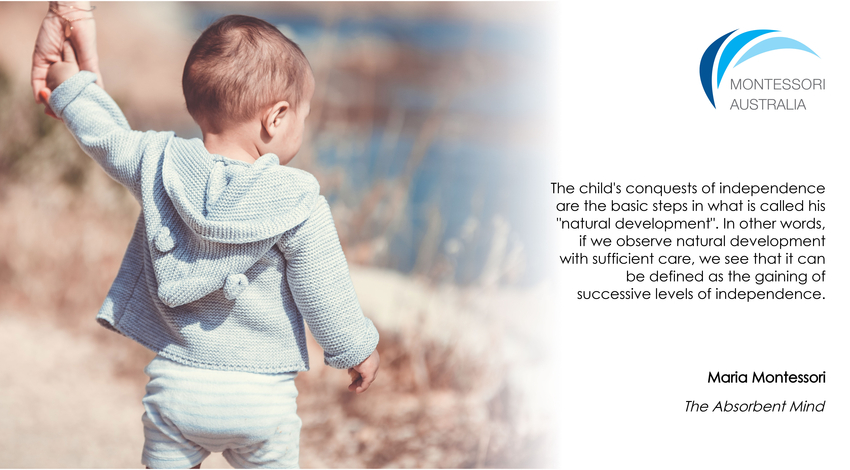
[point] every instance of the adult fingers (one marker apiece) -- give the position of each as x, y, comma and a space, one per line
84, 41
39, 75
37, 84
44, 97
41, 61
68, 54
50, 112
48, 49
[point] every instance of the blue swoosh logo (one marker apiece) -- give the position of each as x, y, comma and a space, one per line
706, 64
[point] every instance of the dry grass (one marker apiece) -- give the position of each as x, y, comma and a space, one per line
446, 394
464, 380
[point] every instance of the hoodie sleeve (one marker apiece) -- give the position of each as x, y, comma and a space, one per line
318, 277
100, 127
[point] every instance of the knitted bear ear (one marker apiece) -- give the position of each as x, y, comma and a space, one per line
235, 285
164, 241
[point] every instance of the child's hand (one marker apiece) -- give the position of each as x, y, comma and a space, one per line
61, 71
363, 375
57, 73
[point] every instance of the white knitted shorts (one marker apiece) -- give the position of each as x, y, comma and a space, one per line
191, 412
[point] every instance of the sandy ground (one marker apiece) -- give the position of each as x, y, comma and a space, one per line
53, 386
463, 380
70, 396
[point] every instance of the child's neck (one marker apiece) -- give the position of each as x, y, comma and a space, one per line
233, 143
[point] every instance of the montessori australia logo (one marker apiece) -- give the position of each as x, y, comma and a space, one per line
755, 44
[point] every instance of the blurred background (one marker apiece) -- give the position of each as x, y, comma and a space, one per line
430, 135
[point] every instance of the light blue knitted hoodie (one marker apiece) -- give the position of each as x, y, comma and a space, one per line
228, 259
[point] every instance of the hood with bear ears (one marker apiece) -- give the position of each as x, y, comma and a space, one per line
219, 218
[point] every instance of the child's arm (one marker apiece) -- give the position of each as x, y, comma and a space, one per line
318, 278
94, 119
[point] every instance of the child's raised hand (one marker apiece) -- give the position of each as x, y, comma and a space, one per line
57, 73
363, 374
63, 70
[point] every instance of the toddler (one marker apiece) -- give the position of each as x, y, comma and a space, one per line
231, 254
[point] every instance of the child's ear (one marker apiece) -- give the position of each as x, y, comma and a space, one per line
274, 119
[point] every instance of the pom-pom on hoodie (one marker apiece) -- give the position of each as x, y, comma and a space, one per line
228, 259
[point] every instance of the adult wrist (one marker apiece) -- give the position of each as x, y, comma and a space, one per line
70, 14
71, 10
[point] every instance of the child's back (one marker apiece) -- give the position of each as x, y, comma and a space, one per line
232, 251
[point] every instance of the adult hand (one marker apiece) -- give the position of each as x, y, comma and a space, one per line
50, 40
